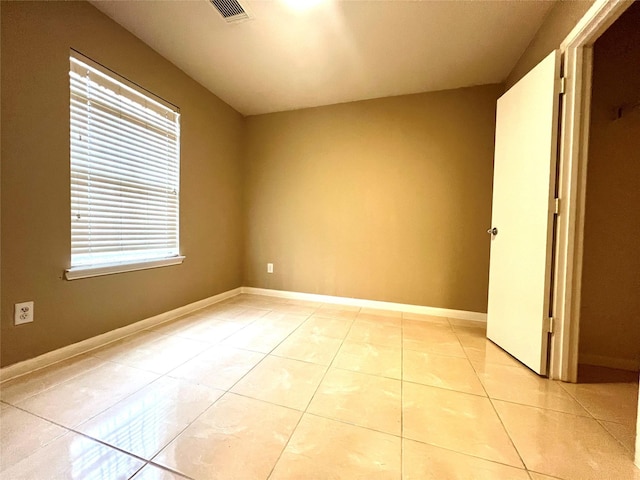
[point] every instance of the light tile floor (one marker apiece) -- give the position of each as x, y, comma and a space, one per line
258, 387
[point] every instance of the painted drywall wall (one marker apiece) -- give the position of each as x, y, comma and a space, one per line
385, 199
610, 306
637, 454
36, 38
556, 26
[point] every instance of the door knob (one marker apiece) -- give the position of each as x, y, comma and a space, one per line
492, 231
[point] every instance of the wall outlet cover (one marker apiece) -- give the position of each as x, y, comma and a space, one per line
23, 313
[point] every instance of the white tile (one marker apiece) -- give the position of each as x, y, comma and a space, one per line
86, 395
75, 457
23, 434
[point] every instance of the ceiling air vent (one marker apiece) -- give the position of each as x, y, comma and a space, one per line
231, 10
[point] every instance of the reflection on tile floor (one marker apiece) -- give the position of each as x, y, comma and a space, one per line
259, 387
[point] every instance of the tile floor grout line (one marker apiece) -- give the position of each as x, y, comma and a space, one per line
163, 467
73, 429
308, 362
159, 376
284, 447
305, 411
265, 355
440, 354
220, 343
288, 335
344, 422
488, 396
448, 389
344, 369
504, 428
88, 353
56, 384
525, 404
577, 400
540, 408
130, 454
351, 424
263, 359
328, 367
553, 477
491, 399
631, 452
67, 430
614, 421
223, 320
225, 392
126, 397
138, 471
244, 395
212, 404
401, 437
182, 431
599, 420
77, 432
211, 346
53, 422
462, 453
31, 372
166, 375
337, 420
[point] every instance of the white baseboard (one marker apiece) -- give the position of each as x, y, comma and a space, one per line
357, 302
610, 362
92, 343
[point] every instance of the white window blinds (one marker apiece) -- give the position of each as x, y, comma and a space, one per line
125, 158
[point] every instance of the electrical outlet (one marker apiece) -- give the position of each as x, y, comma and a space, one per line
23, 313
269, 267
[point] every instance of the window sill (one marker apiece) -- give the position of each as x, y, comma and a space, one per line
75, 273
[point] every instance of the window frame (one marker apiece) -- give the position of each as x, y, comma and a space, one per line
131, 264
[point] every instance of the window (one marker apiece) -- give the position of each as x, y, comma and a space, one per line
125, 164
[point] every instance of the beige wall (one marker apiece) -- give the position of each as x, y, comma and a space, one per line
384, 199
36, 38
637, 454
556, 26
610, 313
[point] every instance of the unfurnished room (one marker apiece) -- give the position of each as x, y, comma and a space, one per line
320, 239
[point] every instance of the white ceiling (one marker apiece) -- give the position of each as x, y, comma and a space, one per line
286, 58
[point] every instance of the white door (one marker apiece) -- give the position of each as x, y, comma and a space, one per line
522, 212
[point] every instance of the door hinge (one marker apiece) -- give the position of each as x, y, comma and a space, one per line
556, 206
563, 85
549, 324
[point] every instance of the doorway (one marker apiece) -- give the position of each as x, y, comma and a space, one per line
610, 303
600, 172
609, 338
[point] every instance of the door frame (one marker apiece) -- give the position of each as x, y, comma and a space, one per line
577, 54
